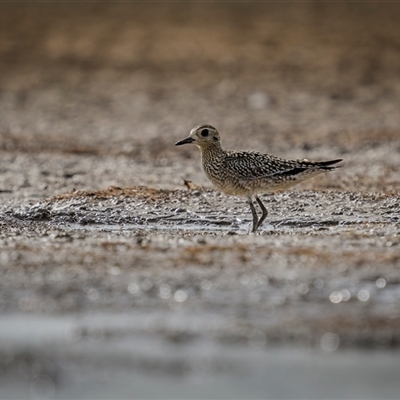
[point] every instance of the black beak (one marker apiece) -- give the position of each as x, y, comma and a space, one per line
184, 141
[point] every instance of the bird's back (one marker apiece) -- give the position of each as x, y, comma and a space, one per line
244, 173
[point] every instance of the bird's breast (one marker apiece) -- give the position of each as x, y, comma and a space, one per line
223, 179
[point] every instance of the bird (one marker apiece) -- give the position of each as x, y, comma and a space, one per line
248, 173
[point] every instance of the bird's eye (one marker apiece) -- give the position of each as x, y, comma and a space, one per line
204, 132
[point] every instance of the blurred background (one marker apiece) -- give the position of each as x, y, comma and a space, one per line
118, 78
96, 94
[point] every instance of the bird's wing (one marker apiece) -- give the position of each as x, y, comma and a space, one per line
253, 165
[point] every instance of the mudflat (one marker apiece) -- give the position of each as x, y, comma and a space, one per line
122, 268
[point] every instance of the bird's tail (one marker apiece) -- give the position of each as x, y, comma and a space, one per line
326, 165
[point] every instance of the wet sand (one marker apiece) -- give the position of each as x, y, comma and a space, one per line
117, 276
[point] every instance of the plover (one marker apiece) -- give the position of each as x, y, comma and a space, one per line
248, 173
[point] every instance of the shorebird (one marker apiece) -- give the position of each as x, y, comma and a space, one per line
247, 173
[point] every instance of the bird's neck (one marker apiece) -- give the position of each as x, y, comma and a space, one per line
212, 151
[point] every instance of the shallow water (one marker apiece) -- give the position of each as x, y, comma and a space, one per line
110, 354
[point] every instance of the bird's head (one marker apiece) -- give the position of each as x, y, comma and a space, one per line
202, 136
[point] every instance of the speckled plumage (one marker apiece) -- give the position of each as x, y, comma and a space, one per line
247, 173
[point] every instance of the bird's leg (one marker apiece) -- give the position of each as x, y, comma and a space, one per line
253, 211
264, 212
